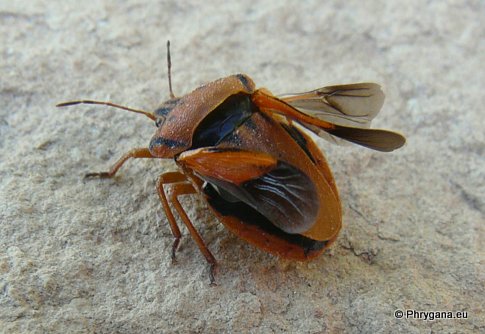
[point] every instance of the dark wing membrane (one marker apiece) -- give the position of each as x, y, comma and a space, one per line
352, 105
376, 139
285, 196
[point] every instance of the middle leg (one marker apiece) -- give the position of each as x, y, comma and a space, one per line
167, 178
177, 190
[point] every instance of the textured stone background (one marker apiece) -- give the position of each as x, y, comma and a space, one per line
93, 256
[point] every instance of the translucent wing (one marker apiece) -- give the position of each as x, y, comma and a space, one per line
352, 105
342, 106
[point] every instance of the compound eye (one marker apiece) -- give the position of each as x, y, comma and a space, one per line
159, 122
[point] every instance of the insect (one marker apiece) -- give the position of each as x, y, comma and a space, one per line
244, 151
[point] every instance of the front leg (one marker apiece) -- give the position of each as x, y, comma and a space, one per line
135, 153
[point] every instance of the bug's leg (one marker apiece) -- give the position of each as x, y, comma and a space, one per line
166, 178
135, 153
177, 190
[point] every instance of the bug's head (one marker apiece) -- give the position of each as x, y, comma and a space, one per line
172, 130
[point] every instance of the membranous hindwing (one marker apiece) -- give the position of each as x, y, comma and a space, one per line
284, 195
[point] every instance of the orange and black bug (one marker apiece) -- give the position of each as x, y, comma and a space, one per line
244, 150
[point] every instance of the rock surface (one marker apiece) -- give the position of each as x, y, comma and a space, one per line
93, 256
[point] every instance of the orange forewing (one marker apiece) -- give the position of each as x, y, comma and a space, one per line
234, 166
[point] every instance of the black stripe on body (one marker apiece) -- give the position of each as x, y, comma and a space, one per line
244, 81
160, 141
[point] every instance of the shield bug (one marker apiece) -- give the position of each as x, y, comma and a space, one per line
245, 152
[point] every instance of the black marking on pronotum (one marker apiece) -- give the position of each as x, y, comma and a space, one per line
166, 108
244, 80
160, 141
248, 215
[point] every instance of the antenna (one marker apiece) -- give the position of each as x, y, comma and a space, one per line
169, 63
71, 103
